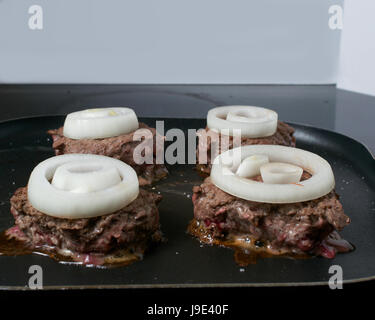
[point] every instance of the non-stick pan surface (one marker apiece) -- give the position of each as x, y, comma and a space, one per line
182, 261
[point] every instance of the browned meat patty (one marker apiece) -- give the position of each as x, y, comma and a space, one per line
120, 147
130, 227
296, 228
283, 136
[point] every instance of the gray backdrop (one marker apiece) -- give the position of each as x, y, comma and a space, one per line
169, 41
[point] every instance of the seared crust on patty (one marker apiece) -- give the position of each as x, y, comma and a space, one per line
283, 136
120, 147
296, 227
136, 223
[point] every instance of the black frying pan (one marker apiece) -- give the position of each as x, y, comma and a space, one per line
182, 261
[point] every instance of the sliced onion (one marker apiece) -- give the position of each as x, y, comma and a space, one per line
232, 116
321, 183
278, 172
77, 186
252, 122
84, 177
250, 166
100, 123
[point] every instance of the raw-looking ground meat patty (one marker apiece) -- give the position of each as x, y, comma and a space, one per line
129, 228
298, 228
120, 147
283, 136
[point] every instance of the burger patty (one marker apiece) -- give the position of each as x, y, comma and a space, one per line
296, 228
283, 136
120, 147
136, 223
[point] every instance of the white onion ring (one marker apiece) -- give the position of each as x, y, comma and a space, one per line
81, 177
321, 183
279, 172
100, 123
250, 166
115, 187
253, 122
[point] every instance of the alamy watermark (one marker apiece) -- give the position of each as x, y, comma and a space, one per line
35, 21
201, 146
36, 279
335, 21
336, 280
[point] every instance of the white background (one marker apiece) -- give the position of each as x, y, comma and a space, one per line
357, 54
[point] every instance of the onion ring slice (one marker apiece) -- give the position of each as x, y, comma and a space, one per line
250, 166
321, 183
100, 123
62, 200
253, 122
279, 172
